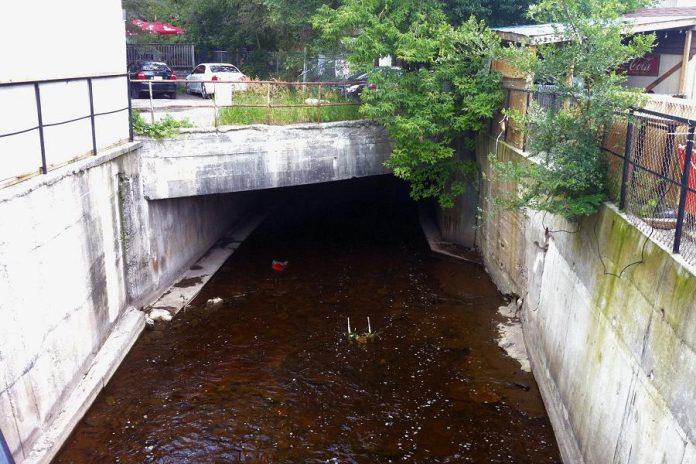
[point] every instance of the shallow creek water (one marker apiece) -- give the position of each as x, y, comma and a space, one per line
270, 376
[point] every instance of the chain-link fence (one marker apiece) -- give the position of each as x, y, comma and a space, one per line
656, 178
651, 169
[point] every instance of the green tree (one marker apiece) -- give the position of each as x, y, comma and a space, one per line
494, 12
568, 175
444, 93
268, 25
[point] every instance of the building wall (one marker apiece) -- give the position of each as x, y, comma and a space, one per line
73, 38
670, 47
669, 86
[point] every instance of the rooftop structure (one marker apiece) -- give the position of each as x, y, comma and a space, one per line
667, 70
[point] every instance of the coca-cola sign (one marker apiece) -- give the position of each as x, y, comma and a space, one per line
649, 65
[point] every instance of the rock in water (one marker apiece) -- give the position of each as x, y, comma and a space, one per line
157, 314
214, 302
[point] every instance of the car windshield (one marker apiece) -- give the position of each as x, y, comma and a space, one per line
357, 77
224, 69
155, 67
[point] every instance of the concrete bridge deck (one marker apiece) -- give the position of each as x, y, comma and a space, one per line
241, 158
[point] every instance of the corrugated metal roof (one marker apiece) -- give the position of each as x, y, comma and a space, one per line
643, 22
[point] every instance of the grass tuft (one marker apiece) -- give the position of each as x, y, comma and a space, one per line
257, 94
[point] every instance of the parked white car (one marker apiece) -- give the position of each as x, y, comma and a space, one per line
214, 72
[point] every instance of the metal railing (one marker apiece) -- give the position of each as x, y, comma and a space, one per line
658, 177
41, 125
651, 166
316, 95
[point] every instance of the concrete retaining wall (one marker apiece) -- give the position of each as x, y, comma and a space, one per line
77, 247
233, 159
612, 347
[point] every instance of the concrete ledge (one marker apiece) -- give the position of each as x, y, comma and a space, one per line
105, 363
438, 245
181, 293
56, 175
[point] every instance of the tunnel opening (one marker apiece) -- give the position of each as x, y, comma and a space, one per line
270, 374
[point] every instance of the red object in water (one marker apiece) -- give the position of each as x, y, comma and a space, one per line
157, 27
279, 266
690, 196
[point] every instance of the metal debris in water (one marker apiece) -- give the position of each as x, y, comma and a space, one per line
363, 338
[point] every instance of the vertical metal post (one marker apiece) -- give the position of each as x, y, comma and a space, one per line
152, 106
216, 111
684, 188
268, 103
130, 110
37, 92
319, 107
91, 116
628, 149
671, 128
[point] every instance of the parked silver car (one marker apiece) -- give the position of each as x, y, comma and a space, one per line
214, 72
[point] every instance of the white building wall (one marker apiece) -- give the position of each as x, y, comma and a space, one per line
68, 39
674, 3
669, 86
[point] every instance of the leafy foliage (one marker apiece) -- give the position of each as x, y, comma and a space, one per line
568, 172
443, 93
267, 25
493, 12
166, 127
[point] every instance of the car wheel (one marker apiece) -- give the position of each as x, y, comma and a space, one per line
188, 90
173, 95
204, 93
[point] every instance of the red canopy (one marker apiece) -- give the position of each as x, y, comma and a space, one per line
158, 28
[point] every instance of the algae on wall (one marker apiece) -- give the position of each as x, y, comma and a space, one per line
610, 324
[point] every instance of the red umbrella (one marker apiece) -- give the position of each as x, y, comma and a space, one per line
158, 28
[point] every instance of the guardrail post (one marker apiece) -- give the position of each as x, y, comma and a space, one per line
130, 110
268, 103
686, 171
91, 116
627, 161
37, 92
152, 106
216, 111
319, 107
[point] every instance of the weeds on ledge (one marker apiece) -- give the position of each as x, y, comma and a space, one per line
166, 127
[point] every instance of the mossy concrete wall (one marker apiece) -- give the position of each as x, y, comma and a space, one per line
609, 320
